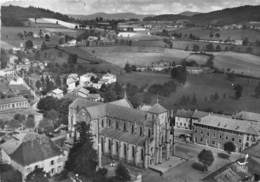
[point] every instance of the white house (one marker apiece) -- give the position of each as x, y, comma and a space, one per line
108, 78
86, 78
57, 93
81, 92
27, 151
71, 81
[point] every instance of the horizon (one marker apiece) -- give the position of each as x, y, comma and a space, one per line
139, 7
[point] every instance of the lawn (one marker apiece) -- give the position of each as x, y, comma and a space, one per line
120, 55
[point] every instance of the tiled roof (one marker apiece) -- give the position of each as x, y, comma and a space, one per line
223, 122
31, 148
123, 136
12, 100
247, 116
157, 109
184, 113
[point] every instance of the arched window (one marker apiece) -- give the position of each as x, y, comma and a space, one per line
141, 130
117, 147
133, 151
142, 154
125, 150
102, 123
125, 126
133, 129
149, 133
117, 125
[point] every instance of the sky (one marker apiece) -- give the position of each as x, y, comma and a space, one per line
134, 6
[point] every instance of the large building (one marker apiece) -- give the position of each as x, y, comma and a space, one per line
13, 103
141, 138
216, 130
27, 151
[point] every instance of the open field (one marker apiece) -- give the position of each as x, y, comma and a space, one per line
202, 86
120, 55
203, 33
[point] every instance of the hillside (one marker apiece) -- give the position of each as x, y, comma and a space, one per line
189, 13
15, 15
114, 16
226, 16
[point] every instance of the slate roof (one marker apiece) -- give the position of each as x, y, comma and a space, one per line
12, 100
184, 113
223, 122
248, 116
31, 148
157, 109
123, 136
199, 114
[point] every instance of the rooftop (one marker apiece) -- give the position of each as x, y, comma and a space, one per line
123, 136
29, 148
12, 100
184, 113
223, 122
247, 116
157, 109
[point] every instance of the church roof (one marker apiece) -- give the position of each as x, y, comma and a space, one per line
83, 102
157, 109
122, 102
123, 136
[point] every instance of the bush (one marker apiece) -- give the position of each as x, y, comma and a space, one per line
198, 166
229, 147
223, 155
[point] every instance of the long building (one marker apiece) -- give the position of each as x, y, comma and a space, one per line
13, 103
141, 138
216, 130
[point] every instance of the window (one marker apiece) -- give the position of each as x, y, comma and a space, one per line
141, 131
220, 136
240, 141
142, 154
109, 122
208, 134
233, 139
149, 133
201, 132
247, 138
226, 137
125, 127
201, 139
102, 123
133, 151
109, 145
125, 150
133, 129
213, 142
117, 147
117, 125
52, 162
52, 171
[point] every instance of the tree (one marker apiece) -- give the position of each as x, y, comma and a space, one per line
29, 123
122, 174
38, 84
73, 58
218, 48
52, 115
179, 73
82, 158
128, 68
38, 175
229, 147
209, 47
9, 174
19, 117
217, 35
195, 48
206, 158
28, 44
63, 110
257, 90
238, 90
47, 103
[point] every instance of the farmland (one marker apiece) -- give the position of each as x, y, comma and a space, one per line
203, 86
120, 55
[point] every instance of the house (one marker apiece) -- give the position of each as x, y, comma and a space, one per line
86, 78
57, 93
81, 92
13, 103
94, 98
27, 151
216, 130
97, 85
194, 70
183, 119
245, 115
108, 78
138, 137
71, 81
7, 73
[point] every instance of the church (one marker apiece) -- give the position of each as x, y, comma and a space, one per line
140, 138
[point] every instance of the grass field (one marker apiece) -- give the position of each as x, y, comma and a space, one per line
120, 55
203, 33
202, 86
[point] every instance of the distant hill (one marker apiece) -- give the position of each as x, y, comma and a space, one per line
189, 13
226, 16
114, 16
16, 15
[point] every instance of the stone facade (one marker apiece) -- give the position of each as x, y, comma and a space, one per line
13, 103
136, 137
